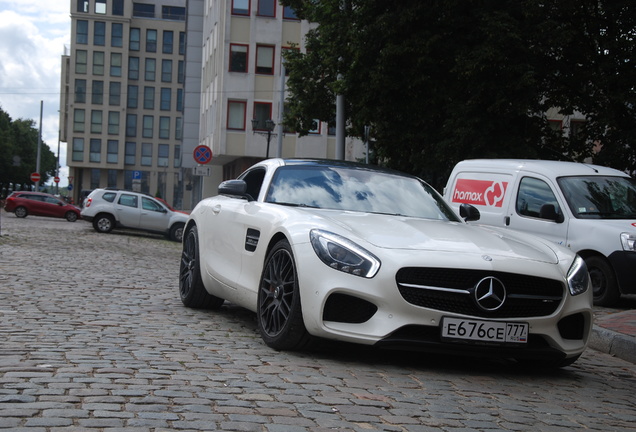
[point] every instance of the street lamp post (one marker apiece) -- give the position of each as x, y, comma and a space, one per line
269, 127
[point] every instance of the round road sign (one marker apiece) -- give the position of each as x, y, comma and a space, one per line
56, 179
202, 154
35, 177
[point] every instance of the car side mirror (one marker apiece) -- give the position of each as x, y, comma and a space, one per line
548, 211
235, 188
469, 212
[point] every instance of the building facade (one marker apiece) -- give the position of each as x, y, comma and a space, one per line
122, 96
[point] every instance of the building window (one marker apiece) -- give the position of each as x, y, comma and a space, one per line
182, 43
112, 178
173, 13
151, 69
148, 125
180, 100
180, 72
97, 95
133, 96
149, 98
114, 94
163, 155
168, 41
164, 127
130, 151
166, 71
99, 33
98, 62
82, 6
178, 128
112, 148
241, 7
113, 123
95, 174
96, 121
236, 115
135, 38
556, 125
166, 96
78, 149
78, 120
117, 35
143, 10
289, 13
81, 35
576, 128
133, 68
131, 125
100, 7
146, 154
262, 113
315, 127
266, 8
81, 57
80, 91
177, 156
95, 154
151, 40
115, 64
265, 59
118, 7
238, 58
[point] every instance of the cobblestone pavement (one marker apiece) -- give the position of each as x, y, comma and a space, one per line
93, 337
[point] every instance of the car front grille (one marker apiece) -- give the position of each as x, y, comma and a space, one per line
452, 290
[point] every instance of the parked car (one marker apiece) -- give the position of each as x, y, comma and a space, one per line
24, 203
338, 250
588, 208
110, 208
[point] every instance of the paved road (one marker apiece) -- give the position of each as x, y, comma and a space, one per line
94, 337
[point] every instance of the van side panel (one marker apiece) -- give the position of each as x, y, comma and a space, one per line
489, 192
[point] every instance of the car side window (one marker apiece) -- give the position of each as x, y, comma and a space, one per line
128, 200
148, 204
109, 196
51, 200
535, 198
254, 181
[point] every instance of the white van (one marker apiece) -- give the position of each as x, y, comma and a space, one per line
588, 208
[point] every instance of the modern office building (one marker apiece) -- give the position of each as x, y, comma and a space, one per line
122, 96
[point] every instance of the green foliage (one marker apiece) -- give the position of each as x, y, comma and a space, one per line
18, 154
442, 81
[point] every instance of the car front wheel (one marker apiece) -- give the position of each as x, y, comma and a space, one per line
280, 318
21, 212
104, 223
71, 216
176, 232
191, 289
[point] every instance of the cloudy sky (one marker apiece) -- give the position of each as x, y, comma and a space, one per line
33, 36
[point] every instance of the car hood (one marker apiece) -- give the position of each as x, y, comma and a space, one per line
397, 232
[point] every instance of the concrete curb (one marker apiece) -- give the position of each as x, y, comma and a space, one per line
613, 343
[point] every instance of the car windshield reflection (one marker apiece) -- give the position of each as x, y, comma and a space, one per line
600, 197
357, 190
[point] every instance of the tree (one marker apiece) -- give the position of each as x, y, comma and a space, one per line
18, 154
443, 81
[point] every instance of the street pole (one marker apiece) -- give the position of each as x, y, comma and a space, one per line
37, 163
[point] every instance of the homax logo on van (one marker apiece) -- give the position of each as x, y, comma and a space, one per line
480, 192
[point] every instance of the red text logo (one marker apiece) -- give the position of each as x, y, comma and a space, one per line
480, 192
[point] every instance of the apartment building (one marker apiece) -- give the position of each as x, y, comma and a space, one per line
242, 90
122, 96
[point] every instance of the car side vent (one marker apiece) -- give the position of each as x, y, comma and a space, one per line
348, 309
251, 239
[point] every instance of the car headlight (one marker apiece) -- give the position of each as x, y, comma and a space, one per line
628, 241
342, 254
578, 277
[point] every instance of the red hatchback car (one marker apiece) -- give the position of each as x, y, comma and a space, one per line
40, 204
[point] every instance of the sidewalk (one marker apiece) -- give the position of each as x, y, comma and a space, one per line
614, 333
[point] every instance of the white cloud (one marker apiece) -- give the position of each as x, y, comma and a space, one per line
33, 37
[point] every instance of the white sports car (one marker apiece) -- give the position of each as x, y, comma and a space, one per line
357, 253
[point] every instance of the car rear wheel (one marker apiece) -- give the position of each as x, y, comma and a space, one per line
104, 223
21, 212
176, 232
604, 285
71, 216
280, 318
191, 289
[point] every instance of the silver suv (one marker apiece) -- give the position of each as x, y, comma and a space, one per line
109, 208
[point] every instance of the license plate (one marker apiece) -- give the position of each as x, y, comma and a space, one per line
484, 331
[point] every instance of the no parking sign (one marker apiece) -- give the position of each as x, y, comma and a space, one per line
202, 154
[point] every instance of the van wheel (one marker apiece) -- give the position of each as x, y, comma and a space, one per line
604, 285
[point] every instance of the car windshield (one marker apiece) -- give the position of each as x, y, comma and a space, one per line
357, 189
599, 197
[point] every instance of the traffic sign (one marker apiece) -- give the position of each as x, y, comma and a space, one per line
202, 154
56, 179
35, 177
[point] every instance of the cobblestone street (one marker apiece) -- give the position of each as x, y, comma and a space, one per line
93, 337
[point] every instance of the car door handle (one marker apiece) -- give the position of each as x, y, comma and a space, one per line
216, 209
